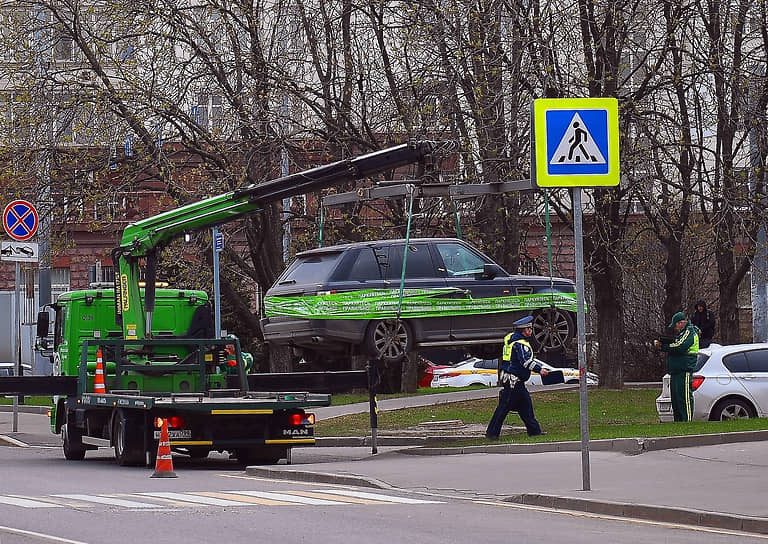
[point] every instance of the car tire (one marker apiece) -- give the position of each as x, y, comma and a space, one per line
388, 340
732, 408
553, 329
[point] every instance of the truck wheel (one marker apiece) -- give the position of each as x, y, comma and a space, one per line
128, 440
388, 339
74, 449
266, 455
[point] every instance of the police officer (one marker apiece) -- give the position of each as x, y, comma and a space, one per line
516, 366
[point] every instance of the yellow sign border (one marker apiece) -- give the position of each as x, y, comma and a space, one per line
542, 178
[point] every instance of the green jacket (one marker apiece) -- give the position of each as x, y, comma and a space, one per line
681, 352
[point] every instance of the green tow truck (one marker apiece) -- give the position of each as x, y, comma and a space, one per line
157, 350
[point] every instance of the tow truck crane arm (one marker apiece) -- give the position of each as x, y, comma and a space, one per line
142, 239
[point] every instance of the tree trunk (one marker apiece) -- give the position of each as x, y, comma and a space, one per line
608, 282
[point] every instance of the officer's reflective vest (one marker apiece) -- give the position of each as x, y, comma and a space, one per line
507, 353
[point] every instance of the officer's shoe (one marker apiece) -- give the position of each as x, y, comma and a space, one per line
542, 433
492, 438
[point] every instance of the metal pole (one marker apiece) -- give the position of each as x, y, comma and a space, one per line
582, 339
17, 308
216, 292
373, 410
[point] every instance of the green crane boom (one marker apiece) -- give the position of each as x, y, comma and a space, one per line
143, 239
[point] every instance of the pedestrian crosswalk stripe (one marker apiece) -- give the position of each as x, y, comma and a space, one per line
321, 495
242, 497
193, 498
27, 503
377, 497
232, 495
100, 499
288, 497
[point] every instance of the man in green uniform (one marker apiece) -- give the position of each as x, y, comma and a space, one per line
681, 360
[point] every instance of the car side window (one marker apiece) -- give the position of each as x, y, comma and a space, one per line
365, 267
487, 364
418, 265
459, 261
757, 360
736, 362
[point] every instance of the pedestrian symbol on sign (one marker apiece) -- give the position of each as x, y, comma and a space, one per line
577, 146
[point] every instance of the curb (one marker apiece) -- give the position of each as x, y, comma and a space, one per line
664, 514
317, 477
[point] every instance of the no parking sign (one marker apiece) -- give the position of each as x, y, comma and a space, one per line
20, 220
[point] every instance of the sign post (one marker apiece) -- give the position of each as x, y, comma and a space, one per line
575, 144
20, 222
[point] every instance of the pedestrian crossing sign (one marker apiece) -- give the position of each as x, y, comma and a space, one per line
575, 142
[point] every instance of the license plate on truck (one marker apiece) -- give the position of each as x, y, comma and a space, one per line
176, 434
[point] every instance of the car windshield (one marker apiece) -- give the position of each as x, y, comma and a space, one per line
309, 268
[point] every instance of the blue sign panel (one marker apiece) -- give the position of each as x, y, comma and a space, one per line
577, 142
20, 220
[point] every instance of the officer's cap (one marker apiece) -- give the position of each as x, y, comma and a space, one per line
679, 316
524, 322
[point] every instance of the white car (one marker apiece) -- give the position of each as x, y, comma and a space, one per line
729, 382
474, 371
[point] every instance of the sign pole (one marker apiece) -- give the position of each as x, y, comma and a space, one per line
582, 338
575, 144
17, 307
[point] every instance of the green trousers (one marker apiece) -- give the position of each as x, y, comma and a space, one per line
682, 396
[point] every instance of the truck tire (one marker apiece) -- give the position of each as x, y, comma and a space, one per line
264, 455
128, 440
74, 449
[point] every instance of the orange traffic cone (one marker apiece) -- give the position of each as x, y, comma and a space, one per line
98, 379
164, 463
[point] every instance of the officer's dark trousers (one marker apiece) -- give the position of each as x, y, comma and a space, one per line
515, 399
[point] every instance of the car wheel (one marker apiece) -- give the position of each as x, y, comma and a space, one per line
553, 329
389, 340
733, 408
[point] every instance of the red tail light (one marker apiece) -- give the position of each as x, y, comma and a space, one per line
301, 419
175, 422
696, 382
451, 374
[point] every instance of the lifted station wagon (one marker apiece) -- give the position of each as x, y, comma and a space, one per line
348, 299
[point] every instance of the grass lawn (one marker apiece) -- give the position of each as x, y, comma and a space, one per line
31, 401
612, 414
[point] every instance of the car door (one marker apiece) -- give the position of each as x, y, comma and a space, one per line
463, 269
420, 273
756, 379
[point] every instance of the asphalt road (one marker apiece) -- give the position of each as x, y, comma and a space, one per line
707, 482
